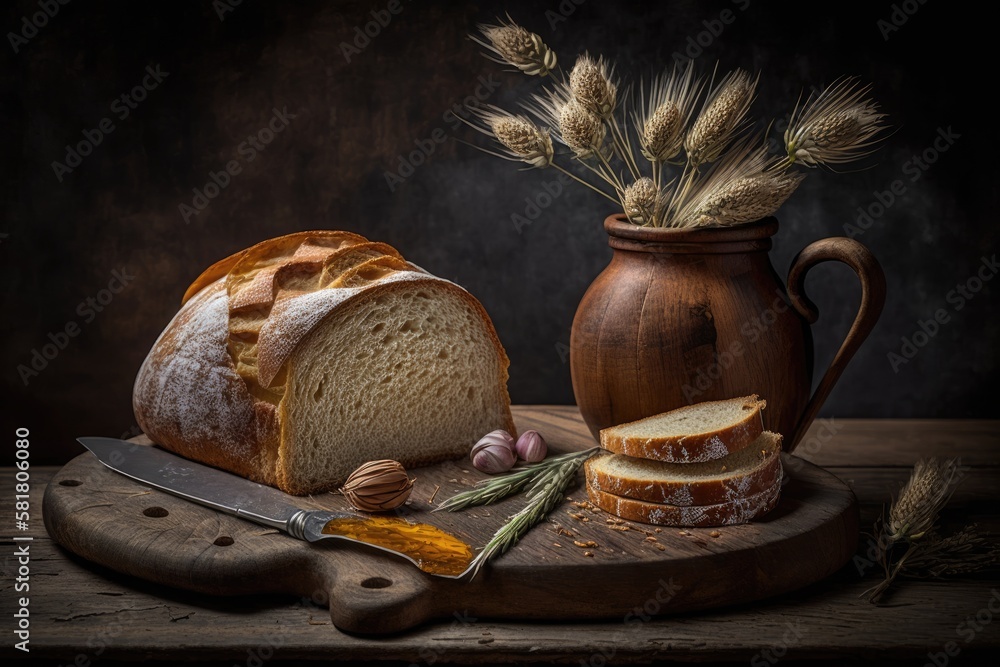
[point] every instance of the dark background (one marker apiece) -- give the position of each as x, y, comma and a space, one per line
353, 120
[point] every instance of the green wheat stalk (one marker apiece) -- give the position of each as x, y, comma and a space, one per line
546, 483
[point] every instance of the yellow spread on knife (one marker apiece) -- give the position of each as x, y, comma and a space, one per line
432, 549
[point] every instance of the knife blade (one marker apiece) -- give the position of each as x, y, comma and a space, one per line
267, 506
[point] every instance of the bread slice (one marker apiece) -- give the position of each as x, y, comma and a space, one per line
295, 361
743, 473
738, 510
700, 432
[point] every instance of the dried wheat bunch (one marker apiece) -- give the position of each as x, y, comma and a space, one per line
511, 44
915, 511
835, 126
963, 552
722, 118
593, 86
660, 120
521, 139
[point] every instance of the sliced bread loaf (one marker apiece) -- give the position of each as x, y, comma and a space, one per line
749, 471
738, 510
295, 361
701, 432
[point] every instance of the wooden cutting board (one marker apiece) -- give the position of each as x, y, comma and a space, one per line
112, 520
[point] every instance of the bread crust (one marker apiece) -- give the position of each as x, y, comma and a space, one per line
687, 492
194, 397
737, 511
694, 447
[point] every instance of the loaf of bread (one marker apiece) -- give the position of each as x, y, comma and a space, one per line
295, 361
747, 472
700, 432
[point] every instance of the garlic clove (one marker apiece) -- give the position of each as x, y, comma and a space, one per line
531, 446
494, 453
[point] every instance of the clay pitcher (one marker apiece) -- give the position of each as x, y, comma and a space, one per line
681, 316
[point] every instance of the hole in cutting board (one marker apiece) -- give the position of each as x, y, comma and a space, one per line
70, 482
155, 512
223, 541
376, 582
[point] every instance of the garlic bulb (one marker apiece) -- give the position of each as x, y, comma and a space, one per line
531, 446
494, 453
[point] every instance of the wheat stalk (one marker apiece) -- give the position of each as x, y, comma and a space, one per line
661, 120
520, 139
546, 483
722, 118
915, 511
833, 127
510, 44
642, 201
593, 86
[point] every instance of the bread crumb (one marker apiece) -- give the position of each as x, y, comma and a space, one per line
715, 533
588, 554
683, 532
660, 547
657, 530
563, 531
556, 544
650, 539
614, 527
585, 545
576, 515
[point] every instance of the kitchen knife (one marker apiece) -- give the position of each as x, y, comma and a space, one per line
429, 548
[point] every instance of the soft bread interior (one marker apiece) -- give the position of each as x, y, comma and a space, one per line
412, 374
641, 471
691, 420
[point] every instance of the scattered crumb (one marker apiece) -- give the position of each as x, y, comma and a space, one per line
724, 468
577, 515
621, 528
660, 547
564, 532
585, 519
683, 532
650, 539
714, 533
582, 504
585, 545
588, 554
556, 544
657, 530
465, 471
437, 487
315, 622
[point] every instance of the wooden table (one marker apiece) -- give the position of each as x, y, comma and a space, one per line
84, 613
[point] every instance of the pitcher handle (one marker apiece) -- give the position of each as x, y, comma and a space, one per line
859, 258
